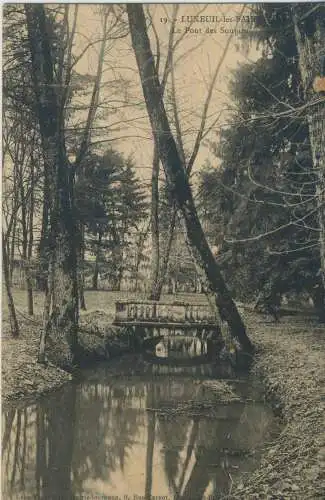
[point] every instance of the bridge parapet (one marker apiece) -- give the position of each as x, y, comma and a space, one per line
152, 312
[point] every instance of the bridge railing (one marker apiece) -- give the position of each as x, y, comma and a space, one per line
132, 311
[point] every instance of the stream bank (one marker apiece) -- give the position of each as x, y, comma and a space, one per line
290, 359
23, 378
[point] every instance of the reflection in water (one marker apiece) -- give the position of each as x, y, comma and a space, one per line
181, 347
105, 437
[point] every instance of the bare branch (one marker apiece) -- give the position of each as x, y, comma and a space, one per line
208, 99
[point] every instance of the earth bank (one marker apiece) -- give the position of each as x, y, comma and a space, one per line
23, 378
291, 361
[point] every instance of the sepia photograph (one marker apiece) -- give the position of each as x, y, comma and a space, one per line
163, 251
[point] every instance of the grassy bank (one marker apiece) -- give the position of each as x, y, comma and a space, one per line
22, 377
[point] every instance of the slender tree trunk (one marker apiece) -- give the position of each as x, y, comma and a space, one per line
49, 284
155, 258
318, 296
44, 238
139, 255
11, 305
11, 249
177, 177
81, 269
29, 291
27, 234
165, 260
120, 277
96, 269
310, 45
29, 284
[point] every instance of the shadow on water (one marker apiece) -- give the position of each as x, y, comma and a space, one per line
107, 436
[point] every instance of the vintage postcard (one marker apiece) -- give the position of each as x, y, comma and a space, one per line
163, 251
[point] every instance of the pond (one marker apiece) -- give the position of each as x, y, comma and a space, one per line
136, 428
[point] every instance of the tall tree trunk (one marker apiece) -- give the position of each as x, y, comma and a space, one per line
48, 296
310, 36
177, 177
29, 284
139, 254
318, 295
96, 269
165, 259
44, 238
81, 269
119, 277
11, 249
27, 233
11, 305
63, 322
155, 258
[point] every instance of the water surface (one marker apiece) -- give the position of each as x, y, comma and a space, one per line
108, 436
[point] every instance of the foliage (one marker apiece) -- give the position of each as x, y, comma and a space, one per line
111, 203
260, 203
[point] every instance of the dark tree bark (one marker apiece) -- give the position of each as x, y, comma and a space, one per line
177, 177
155, 257
165, 259
139, 254
44, 238
11, 249
96, 269
81, 269
62, 326
27, 216
29, 284
318, 295
11, 305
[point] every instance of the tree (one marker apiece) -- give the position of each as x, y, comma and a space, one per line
65, 130
11, 306
262, 197
22, 162
111, 203
177, 177
63, 290
160, 256
309, 26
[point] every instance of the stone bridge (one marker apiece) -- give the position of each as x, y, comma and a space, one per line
176, 318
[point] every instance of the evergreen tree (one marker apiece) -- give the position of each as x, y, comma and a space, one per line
262, 198
111, 204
